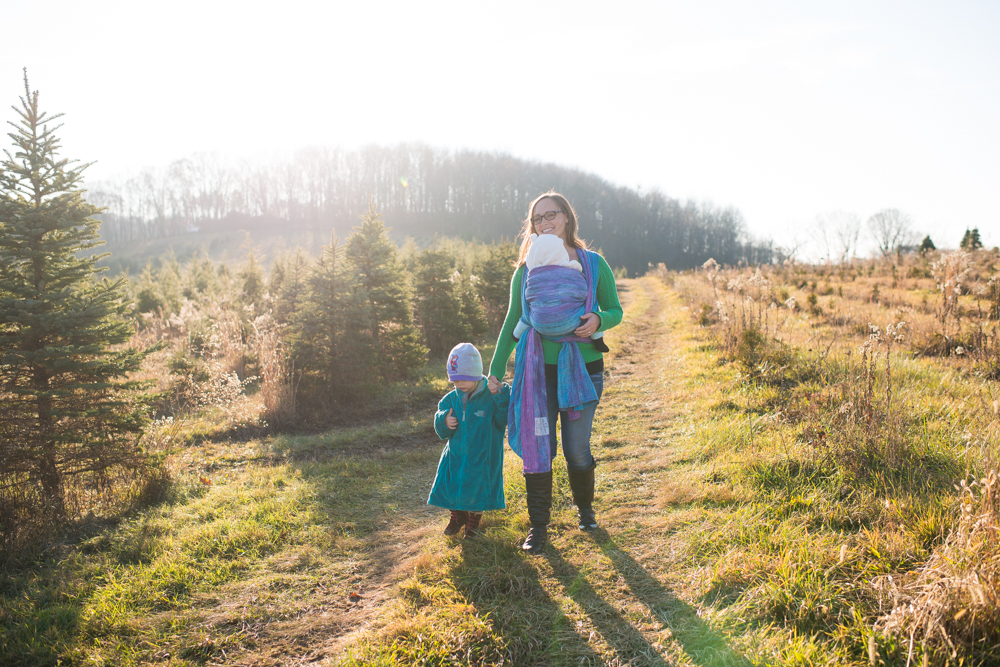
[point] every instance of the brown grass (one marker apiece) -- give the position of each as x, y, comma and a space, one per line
278, 379
951, 605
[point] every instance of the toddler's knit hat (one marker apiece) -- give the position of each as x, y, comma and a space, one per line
464, 363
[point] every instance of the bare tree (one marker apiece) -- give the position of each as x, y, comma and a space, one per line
787, 252
820, 234
844, 228
891, 229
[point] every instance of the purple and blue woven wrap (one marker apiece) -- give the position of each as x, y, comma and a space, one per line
553, 299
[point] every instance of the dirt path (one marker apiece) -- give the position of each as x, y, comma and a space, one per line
635, 343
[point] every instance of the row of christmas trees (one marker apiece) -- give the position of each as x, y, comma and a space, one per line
362, 313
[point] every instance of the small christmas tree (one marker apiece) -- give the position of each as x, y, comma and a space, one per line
472, 306
493, 274
971, 240
287, 284
382, 284
251, 277
66, 412
329, 332
439, 302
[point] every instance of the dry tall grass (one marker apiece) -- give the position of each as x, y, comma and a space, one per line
207, 361
227, 344
951, 605
115, 483
278, 380
866, 423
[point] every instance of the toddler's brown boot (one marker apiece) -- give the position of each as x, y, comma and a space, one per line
472, 527
458, 519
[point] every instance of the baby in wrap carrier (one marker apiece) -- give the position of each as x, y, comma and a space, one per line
548, 250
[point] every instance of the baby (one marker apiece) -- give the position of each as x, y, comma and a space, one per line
549, 250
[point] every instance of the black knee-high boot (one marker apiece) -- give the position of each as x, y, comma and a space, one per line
539, 496
582, 484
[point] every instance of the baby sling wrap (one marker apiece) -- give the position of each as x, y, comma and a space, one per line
553, 299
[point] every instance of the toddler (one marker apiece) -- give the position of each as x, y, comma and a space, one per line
472, 418
549, 250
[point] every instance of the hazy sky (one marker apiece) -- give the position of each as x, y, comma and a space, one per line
785, 110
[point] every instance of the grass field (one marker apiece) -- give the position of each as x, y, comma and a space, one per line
747, 518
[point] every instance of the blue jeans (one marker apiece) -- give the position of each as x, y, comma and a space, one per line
575, 432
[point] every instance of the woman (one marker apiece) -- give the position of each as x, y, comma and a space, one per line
558, 373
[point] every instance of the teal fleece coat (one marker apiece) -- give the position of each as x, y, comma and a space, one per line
470, 472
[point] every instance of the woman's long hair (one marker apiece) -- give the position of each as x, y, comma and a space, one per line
527, 229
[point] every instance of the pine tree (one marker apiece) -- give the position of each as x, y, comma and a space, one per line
148, 298
382, 285
971, 240
169, 280
493, 271
201, 279
977, 242
439, 302
251, 277
62, 390
926, 245
288, 284
472, 306
330, 332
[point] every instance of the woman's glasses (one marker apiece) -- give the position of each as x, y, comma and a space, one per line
550, 215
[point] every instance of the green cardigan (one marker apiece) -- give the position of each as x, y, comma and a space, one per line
609, 309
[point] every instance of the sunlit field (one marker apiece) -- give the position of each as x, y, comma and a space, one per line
237, 247
796, 466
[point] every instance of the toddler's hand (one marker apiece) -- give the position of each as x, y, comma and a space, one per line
451, 421
493, 385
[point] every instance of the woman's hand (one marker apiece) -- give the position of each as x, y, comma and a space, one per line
493, 384
589, 324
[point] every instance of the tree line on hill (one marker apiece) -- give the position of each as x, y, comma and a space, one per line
421, 191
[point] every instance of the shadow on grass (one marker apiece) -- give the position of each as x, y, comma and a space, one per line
702, 644
502, 582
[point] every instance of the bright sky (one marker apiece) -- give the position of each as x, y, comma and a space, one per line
785, 110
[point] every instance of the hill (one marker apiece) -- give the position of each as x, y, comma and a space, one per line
204, 202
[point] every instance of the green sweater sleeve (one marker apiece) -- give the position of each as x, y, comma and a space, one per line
506, 343
609, 308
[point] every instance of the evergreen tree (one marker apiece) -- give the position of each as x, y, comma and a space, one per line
971, 240
252, 281
382, 285
439, 302
62, 392
201, 280
493, 273
288, 284
472, 307
926, 245
329, 333
148, 298
169, 281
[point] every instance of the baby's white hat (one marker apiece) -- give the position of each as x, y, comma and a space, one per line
546, 249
